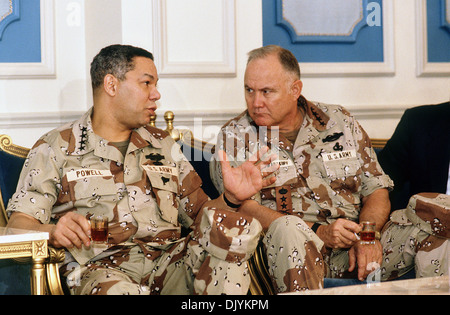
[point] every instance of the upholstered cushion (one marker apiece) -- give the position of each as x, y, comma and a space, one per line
14, 278
200, 161
10, 168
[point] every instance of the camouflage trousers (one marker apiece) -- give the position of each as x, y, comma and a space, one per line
297, 258
184, 268
418, 238
294, 255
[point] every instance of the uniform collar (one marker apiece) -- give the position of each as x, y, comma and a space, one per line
316, 121
83, 140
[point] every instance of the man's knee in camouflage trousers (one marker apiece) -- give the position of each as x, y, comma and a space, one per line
293, 255
418, 237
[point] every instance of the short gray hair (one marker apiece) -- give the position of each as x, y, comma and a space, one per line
286, 58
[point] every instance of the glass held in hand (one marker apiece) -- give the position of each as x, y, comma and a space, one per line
99, 228
367, 234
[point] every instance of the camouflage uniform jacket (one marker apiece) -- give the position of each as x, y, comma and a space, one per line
328, 170
147, 196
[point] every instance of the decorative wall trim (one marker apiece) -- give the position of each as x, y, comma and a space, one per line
445, 14
423, 67
39, 70
361, 69
37, 120
204, 125
308, 21
11, 14
225, 68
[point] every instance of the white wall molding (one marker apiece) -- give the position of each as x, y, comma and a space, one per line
168, 68
423, 67
206, 125
26, 128
182, 118
37, 70
37, 120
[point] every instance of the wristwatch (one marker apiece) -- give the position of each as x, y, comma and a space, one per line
377, 235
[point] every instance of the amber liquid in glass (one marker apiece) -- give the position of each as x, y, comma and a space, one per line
99, 230
367, 236
99, 235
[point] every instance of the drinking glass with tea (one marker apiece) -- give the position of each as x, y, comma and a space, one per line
99, 229
367, 234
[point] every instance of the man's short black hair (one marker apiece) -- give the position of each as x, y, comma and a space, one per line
116, 60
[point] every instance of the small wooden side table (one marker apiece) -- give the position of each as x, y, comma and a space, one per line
16, 243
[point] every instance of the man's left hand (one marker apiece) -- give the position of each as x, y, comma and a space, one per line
363, 255
242, 182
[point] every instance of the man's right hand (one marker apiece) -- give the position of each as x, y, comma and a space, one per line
71, 230
339, 234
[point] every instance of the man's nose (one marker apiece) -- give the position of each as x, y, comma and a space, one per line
155, 95
258, 100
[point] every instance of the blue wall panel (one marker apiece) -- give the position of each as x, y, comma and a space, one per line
438, 34
21, 40
368, 46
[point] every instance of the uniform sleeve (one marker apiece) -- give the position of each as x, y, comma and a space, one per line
228, 235
37, 189
373, 176
215, 169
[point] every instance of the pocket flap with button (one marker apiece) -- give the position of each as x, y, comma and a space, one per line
164, 181
341, 164
90, 183
162, 177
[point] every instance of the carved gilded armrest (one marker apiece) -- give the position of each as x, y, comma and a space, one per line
55, 258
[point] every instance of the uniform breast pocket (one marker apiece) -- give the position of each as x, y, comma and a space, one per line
342, 168
165, 189
163, 181
344, 174
93, 189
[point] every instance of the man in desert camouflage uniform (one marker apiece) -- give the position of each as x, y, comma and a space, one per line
418, 238
111, 162
329, 178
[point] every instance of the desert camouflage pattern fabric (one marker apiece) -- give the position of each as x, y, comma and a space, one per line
418, 238
148, 196
324, 175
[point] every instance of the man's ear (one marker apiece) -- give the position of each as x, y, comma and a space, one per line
110, 84
296, 89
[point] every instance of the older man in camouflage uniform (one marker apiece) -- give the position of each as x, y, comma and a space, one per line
110, 162
329, 178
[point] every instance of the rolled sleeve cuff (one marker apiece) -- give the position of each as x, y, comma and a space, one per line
228, 235
375, 183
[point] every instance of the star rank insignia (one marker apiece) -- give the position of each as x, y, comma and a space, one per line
318, 118
284, 199
83, 138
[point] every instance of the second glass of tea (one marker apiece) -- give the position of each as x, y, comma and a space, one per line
367, 233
